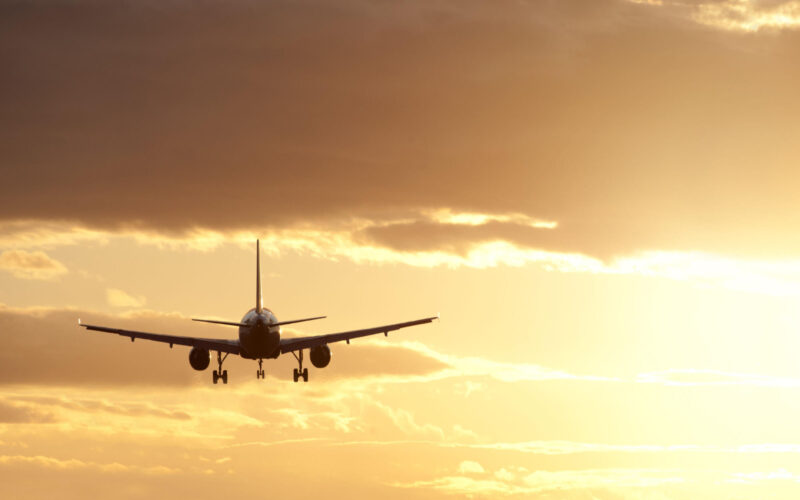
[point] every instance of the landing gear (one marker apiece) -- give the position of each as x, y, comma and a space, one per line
260, 371
221, 374
301, 372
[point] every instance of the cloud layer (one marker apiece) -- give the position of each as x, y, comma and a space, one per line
601, 116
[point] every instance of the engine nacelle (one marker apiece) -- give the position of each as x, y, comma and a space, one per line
320, 355
199, 358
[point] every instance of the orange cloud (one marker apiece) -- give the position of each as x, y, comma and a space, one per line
68, 464
584, 114
548, 481
119, 298
31, 265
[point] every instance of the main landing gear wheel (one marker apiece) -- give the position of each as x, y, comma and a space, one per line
221, 374
260, 371
301, 372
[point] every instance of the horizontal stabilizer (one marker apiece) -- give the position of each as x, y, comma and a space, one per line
233, 323
229, 323
297, 321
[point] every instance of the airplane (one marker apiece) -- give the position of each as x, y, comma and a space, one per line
259, 338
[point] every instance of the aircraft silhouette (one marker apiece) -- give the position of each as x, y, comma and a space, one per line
259, 338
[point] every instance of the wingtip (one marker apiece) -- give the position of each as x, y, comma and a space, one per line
79, 322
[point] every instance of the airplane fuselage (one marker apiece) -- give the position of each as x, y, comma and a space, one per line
261, 338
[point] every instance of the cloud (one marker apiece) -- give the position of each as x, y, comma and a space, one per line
14, 413
455, 238
555, 448
545, 481
504, 475
736, 15
756, 477
468, 366
464, 240
118, 298
72, 464
584, 114
31, 265
470, 467
407, 423
132, 409
66, 354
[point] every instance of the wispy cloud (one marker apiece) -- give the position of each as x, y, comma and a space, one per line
119, 298
470, 467
71, 464
541, 481
89, 405
35, 265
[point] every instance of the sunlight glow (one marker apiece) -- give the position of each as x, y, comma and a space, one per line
447, 216
778, 278
736, 15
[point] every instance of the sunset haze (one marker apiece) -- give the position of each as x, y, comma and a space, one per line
599, 197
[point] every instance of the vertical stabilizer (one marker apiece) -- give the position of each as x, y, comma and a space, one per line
259, 299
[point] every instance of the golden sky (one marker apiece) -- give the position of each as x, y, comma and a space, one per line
600, 197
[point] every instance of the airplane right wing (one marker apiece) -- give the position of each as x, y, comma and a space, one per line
295, 344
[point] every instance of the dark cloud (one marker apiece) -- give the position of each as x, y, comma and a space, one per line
425, 235
50, 348
631, 128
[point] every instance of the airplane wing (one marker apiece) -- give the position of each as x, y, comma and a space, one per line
295, 344
222, 345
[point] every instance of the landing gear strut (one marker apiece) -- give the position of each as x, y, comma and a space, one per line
260, 371
301, 372
221, 374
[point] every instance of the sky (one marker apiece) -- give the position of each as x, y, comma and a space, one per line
599, 197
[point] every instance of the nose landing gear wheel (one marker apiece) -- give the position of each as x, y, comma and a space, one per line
260, 371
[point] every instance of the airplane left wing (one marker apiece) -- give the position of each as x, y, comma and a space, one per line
295, 344
222, 345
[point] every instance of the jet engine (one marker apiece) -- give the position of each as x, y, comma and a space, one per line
320, 355
199, 358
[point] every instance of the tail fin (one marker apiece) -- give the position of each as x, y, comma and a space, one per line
259, 299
